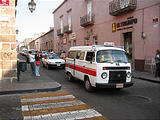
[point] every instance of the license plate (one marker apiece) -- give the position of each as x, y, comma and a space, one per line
119, 85
58, 64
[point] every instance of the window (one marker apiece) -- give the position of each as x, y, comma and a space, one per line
90, 56
82, 56
74, 43
78, 54
53, 57
61, 23
69, 44
72, 54
69, 20
111, 56
95, 40
89, 10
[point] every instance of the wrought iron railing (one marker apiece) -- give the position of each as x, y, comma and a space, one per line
68, 29
116, 8
59, 32
87, 20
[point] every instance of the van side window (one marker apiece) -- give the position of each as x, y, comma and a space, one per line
78, 54
72, 54
82, 56
90, 56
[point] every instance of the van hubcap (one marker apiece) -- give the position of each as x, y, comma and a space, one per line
87, 84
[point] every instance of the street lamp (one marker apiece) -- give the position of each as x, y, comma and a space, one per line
32, 5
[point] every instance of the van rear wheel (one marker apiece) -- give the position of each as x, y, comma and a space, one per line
88, 85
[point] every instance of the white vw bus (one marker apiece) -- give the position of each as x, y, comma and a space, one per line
99, 66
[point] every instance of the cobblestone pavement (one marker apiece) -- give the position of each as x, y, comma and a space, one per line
57, 106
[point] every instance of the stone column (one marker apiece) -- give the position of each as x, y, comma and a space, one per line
8, 54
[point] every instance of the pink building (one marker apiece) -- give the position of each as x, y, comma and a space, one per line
132, 24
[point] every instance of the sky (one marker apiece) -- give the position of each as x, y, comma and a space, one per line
38, 21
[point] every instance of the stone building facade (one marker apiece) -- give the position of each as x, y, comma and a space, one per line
132, 24
8, 54
44, 42
32, 45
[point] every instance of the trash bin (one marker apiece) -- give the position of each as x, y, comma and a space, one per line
21, 66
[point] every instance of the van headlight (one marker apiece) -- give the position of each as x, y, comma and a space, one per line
128, 75
104, 75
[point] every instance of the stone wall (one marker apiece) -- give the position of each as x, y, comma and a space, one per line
8, 54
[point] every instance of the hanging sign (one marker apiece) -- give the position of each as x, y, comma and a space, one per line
4, 2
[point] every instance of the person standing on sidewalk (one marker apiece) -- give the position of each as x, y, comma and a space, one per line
37, 58
157, 60
63, 55
32, 60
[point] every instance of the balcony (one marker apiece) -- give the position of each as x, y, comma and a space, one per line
87, 20
59, 32
117, 7
68, 29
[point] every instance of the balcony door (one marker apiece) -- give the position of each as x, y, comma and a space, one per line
89, 10
61, 23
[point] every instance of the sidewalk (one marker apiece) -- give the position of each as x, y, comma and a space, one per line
145, 76
29, 83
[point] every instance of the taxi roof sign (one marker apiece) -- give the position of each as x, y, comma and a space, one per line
109, 44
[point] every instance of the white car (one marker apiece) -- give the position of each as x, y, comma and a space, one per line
53, 60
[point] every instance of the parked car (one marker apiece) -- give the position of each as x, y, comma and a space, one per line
43, 53
53, 60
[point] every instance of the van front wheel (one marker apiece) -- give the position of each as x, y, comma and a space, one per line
69, 77
88, 85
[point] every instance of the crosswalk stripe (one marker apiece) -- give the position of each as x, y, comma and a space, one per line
95, 118
57, 106
89, 114
55, 110
47, 98
49, 101
44, 95
51, 105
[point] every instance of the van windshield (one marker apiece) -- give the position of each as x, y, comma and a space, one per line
111, 56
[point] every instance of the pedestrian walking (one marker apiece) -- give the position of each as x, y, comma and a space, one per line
63, 55
32, 60
157, 60
37, 58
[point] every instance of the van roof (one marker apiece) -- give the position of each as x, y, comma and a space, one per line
94, 48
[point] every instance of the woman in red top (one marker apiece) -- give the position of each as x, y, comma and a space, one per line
37, 59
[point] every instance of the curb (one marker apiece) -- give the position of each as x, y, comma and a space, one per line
30, 90
154, 81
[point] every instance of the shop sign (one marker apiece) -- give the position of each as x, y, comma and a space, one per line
124, 25
4, 2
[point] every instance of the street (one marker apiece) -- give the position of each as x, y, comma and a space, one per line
142, 101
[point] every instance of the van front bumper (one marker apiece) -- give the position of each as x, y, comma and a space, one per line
113, 85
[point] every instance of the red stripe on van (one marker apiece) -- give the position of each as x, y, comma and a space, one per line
82, 69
